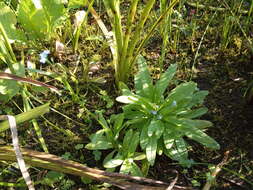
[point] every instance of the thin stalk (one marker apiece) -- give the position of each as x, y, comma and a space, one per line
129, 26
26, 116
200, 43
151, 31
136, 38
166, 30
37, 129
9, 52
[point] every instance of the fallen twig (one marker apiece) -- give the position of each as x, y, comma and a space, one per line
52, 162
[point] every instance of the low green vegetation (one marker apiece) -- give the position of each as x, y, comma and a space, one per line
130, 87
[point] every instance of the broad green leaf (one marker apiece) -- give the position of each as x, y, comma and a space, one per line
54, 11
8, 21
144, 136
168, 140
9, 88
185, 124
151, 149
144, 103
134, 111
176, 106
139, 156
198, 97
33, 19
164, 81
109, 156
181, 146
182, 91
134, 141
135, 170
127, 99
117, 161
99, 141
125, 167
191, 114
156, 127
202, 138
143, 81
40, 18
127, 140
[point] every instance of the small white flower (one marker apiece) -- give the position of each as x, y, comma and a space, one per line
44, 55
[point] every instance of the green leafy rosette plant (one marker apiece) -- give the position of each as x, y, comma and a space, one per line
123, 153
165, 121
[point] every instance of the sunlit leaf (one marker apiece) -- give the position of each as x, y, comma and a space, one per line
164, 81
151, 149
143, 81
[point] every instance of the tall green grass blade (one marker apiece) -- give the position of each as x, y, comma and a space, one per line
26, 116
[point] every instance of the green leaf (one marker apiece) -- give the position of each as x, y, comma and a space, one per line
191, 114
168, 140
134, 141
109, 156
179, 151
181, 147
127, 99
198, 97
143, 81
156, 127
102, 121
32, 19
54, 11
99, 141
125, 167
40, 18
135, 170
9, 88
202, 138
144, 136
9, 21
139, 156
112, 163
181, 92
151, 150
175, 106
164, 81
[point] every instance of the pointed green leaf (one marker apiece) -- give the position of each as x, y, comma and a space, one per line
125, 167
144, 136
117, 161
133, 143
9, 21
143, 81
202, 138
191, 114
109, 156
99, 141
151, 150
164, 81
198, 97
135, 170
182, 91
181, 146
156, 127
